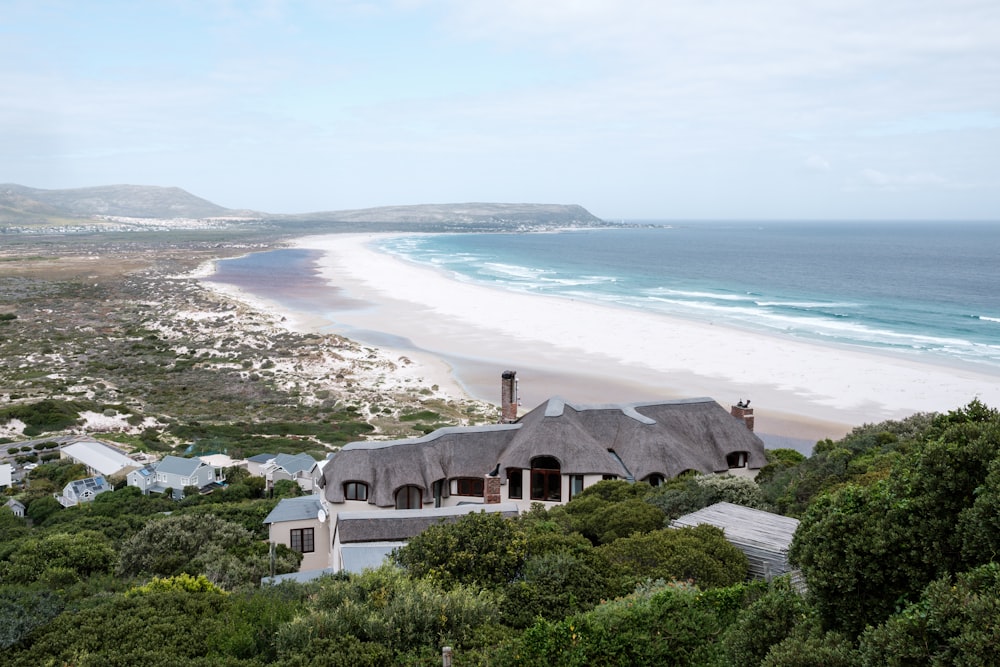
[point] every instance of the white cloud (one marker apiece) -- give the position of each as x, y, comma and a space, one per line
907, 181
816, 163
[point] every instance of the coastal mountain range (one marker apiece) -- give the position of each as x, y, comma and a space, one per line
26, 209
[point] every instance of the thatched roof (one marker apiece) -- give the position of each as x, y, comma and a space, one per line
387, 466
631, 440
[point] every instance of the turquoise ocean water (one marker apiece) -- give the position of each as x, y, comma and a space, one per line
930, 291
927, 290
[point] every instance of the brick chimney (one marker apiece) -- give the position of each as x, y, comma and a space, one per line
742, 410
508, 397
491, 489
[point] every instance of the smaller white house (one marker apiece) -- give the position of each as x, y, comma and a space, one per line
302, 525
294, 467
82, 491
175, 473
256, 463
16, 507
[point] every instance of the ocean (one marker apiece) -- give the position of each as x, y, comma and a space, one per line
930, 291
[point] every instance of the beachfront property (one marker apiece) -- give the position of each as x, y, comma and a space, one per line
548, 456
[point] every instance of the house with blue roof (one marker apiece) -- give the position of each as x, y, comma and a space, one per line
83, 491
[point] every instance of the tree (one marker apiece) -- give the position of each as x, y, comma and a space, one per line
956, 621
663, 625
22, 610
481, 548
40, 509
226, 553
691, 493
58, 558
767, 621
866, 549
608, 510
287, 488
388, 608
700, 555
562, 575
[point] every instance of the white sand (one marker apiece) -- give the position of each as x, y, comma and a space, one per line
594, 353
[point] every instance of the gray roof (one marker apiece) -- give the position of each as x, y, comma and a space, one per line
295, 509
763, 536
400, 525
294, 463
386, 466
665, 438
175, 465
100, 457
261, 458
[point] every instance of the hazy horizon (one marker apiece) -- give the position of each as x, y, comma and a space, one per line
641, 110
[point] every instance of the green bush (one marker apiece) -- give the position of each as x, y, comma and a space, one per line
700, 555
666, 626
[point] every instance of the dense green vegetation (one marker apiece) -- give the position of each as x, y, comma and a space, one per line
898, 545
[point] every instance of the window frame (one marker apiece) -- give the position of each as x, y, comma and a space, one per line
302, 540
355, 486
474, 487
546, 475
409, 490
737, 459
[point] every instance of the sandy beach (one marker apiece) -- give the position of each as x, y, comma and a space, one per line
589, 353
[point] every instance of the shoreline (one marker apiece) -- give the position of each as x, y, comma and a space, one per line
467, 334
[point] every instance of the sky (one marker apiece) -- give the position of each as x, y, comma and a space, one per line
634, 109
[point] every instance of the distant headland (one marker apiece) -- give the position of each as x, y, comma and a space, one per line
144, 207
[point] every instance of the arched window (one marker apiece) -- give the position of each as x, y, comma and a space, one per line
546, 479
655, 479
409, 498
469, 486
355, 491
737, 459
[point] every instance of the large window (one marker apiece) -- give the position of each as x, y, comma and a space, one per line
737, 459
546, 479
469, 486
409, 498
355, 491
303, 540
656, 479
515, 483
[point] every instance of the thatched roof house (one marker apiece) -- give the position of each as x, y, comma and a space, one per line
548, 455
